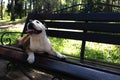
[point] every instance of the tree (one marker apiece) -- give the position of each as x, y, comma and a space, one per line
108, 8
9, 8
25, 3
15, 7
19, 8
2, 6
12, 10
30, 5
1, 9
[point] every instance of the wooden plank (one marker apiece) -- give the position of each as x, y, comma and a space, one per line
61, 68
77, 16
94, 37
12, 53
97, 27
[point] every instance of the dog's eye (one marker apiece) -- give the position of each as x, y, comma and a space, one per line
37, 21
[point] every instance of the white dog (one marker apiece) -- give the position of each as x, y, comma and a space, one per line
37, 41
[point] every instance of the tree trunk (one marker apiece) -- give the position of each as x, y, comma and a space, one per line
30, 5
108, 8
2, 9
12, 10
25, 7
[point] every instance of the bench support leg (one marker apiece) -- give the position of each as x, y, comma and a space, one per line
82, 50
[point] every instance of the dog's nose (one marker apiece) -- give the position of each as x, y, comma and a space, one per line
30, 26
30, 21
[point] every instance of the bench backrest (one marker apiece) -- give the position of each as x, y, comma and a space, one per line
95, 27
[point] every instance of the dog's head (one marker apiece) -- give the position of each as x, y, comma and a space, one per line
35, 27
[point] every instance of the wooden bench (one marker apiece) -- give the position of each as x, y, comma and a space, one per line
93, 27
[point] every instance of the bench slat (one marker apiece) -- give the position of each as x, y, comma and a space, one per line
77, 16
94, 37
97, 27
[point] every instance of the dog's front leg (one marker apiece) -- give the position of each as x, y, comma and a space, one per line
31, 57
57, 54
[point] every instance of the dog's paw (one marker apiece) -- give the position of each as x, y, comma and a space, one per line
31, 59
59, 55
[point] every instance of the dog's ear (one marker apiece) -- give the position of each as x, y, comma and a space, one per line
43, 22
28, 23
46, 27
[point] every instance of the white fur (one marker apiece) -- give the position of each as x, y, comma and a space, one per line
31, 57
40, 43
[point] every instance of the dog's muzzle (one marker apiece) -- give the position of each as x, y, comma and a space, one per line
32, 30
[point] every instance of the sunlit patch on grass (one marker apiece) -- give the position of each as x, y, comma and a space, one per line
104, 52
66, 46
98, 51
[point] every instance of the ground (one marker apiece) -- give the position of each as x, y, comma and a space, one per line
17, 74
13, 26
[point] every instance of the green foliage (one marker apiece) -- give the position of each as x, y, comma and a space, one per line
19, 8
16, 8
73, 6
23, 7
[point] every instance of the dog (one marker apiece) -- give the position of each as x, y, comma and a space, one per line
36, 41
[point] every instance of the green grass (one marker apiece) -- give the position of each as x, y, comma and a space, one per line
103, 52
67, 46
98, 51
9, 37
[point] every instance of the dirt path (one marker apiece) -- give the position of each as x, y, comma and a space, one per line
13, 27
